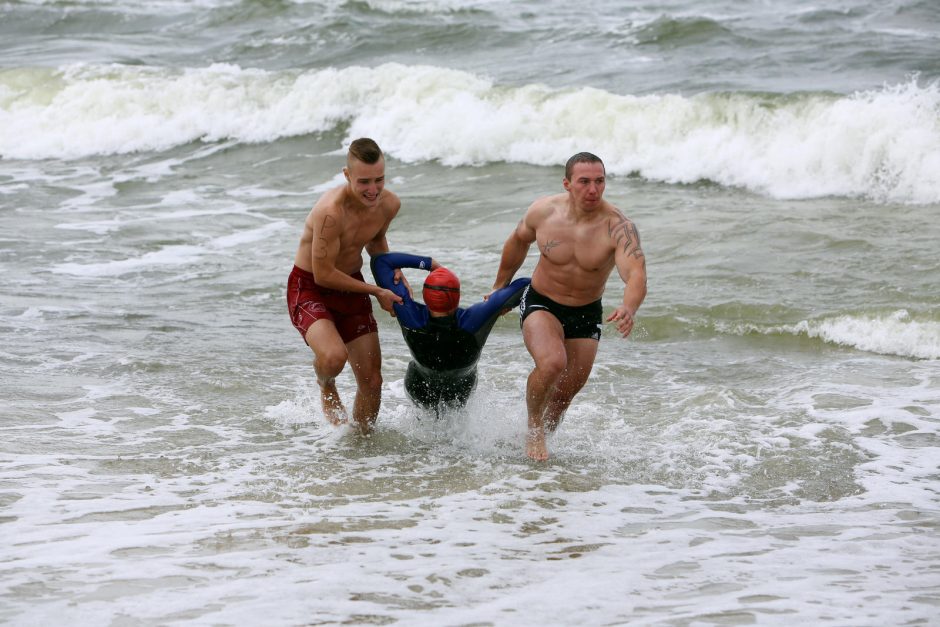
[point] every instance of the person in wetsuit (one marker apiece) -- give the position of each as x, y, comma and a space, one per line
445, 340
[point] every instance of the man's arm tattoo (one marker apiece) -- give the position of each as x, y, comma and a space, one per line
328, 223
624, 233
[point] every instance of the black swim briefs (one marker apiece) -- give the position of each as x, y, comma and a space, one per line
578, 322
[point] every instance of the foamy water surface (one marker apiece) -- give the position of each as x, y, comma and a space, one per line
763, 449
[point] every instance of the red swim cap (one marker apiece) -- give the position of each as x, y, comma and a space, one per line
442, 291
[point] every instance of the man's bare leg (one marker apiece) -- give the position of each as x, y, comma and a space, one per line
537, 392
365, 358
330, 358
332, 405
544, 339
581, 353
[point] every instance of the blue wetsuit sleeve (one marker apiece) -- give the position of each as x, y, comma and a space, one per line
392, 261
409, 314
477, 316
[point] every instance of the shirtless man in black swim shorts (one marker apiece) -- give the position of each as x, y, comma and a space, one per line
581, 237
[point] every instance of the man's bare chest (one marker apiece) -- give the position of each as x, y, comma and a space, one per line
588, 247
361, 230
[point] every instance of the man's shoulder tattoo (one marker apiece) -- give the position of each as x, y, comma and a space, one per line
625, 235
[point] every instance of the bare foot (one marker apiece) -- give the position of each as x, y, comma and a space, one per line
366, 410
365, 427
535, 446
332, 405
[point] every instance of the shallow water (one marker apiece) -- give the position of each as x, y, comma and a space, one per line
762, 449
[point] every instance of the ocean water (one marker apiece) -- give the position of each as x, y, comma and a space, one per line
764, 449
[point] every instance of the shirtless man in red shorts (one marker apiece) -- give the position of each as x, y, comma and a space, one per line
327, 297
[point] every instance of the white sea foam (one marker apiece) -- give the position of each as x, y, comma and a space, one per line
73, 418
895, 333
174, 255
883, 144
186, 198
339, 179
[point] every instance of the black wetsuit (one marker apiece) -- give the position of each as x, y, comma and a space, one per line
444, 350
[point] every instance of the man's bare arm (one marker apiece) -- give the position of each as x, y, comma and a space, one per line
631, 265
514, 252
324, 251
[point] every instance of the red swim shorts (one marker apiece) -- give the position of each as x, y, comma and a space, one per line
307, 302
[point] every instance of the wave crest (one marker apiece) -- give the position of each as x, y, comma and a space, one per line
882, 144
895, 333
